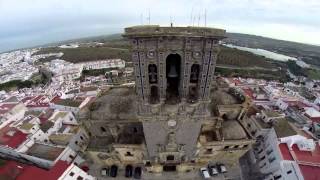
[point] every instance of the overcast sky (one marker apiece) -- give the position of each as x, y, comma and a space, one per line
26, 23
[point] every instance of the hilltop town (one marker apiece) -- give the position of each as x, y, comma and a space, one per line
97, 118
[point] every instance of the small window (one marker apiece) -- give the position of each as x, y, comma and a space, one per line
170, 158
226, 147
272, 159
71, 174
103, 129
135, 130
289, 172
79, 178
263, 157
129, 154
269, 151
236, 146
246, 145
81, 137
148, 163
277, 177
76, 142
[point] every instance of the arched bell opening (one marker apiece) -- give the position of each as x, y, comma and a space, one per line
173, 66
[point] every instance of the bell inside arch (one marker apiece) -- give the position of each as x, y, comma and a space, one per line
173, 71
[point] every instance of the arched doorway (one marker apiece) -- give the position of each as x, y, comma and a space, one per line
173, 67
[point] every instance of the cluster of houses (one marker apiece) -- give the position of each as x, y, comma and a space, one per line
44, 132
288, 115
40, 128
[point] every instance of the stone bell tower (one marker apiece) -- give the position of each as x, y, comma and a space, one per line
174, 68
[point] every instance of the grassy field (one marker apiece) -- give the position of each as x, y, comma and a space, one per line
313, 74
249, 73
83, 54
235, 57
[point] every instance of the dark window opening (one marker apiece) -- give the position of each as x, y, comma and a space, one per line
135, 130
129, 154
236, 146
169, 168
79, 178
76, 142
173, 63
226, 147
154, 95
194, 75
245, 145
71, 174
170, 158
289, 172
103, 129
277, 177
153, 74
81, 137
269, 151
209, 151
224, 117
148, 163
193, 94
272, 159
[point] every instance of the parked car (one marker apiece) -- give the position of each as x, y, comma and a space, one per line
212, 170
113, 171
221, 168
137, 172
204, 173
105, 171
129, 170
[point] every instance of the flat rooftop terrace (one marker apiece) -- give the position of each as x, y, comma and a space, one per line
45, 151
156, 30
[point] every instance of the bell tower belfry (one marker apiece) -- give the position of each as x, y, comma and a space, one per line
174, 68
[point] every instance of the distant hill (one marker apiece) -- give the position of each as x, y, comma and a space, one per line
308, 53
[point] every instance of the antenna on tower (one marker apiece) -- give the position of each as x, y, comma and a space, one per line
194, 19
149, 17
205, 17
141, 18
199, 20
191, 18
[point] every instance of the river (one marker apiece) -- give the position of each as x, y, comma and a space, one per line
265, 53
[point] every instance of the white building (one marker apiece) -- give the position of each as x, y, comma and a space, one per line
104, 64
75, 173
267, 158
11, 111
